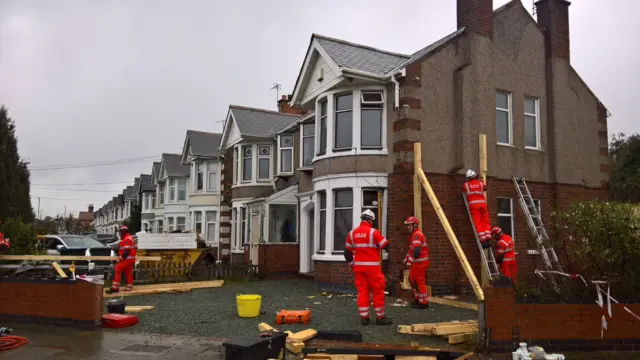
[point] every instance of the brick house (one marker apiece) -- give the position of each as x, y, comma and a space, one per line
500, 73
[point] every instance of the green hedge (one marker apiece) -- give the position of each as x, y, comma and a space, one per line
22, 236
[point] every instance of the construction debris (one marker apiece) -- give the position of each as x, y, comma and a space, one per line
136, 309
456, 332
167, 288
295, 341
459, 304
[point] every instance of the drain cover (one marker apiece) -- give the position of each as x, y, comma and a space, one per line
142, 349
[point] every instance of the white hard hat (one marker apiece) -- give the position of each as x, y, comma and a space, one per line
470, 174
368, 214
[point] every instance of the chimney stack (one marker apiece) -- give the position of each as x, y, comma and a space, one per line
91, 208
476, 16
553, 18
284, 107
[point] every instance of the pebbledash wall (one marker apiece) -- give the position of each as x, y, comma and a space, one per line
558, 327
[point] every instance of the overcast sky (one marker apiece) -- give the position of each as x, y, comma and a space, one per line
89, 81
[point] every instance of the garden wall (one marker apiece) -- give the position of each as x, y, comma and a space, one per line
279, 260
51, 302
558, 327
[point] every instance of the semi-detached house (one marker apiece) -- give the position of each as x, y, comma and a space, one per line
500, 73
172, 183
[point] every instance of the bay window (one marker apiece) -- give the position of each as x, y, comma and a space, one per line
247, 163
308, 139
211, 227
343, 216
322, 146
285, 154
147, 200
170, 225
212, 176
243, 225
181, 223
153, 200
371, 120
322, 241
199, 177
160, 228
236, 165
370, 202
343, 129
161, 194
172, 190
197, 221
235, 237
182, 189
264, 162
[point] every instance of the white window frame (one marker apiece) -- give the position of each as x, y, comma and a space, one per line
207, 224
335, 119
212, 171
170, 224
182, 226
335, 209
283, 149
319, 117
196, 222
182, 183
159, 226
251, 160
153, 200
259, 157
236, 165
509, 112
511, 216
382, 125
199, 178
244, 224
302, 137
536, 107
162, 193
235, 244
146, 201
356, 142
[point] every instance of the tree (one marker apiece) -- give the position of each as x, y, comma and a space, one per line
15, 185
625, 171
46, 226
135, 218
22, 236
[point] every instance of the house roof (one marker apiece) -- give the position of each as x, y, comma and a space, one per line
128, 192
136, 185
85, 216
360, 57
259, 122
155, 170
173, 165
204, 143
146, 183
295, 124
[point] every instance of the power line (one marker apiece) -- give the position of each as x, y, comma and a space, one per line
87, 190
50, 198
84, 184
94, 164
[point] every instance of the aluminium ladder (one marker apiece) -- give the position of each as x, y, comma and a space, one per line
534, 220
490, 264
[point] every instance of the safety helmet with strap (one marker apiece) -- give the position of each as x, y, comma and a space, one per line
470, 174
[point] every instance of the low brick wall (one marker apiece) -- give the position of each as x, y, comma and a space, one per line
52, 302
334, 276
558, 327
279, 260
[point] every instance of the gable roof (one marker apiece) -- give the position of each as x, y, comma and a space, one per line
128, 193
136, 185
146, 183
172, 164
200, 143
258, 123
155, 170
360, 57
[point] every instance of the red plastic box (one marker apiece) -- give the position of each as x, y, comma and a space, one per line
117, 321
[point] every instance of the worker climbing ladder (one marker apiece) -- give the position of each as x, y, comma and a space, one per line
534, 220
490, 264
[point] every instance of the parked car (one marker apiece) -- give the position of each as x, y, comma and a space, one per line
79, 245
104, 239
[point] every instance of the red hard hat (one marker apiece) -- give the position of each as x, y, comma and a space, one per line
496, 231
124, 228
412, 220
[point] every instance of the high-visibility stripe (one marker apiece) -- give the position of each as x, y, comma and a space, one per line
421, 259
363, 308
509, 259
367, 263
477, 202
416, 242
383, 242
360, 246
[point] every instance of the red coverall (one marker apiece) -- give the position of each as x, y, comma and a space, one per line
365, 244
418, 259
125, 264
474, 190
506, 248
4, 244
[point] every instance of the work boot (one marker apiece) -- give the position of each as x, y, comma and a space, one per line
364, 321
112, 291
383, 321
420, 306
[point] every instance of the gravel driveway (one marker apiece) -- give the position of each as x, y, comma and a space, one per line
212, 312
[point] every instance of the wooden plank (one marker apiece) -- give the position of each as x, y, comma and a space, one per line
136, 309
455, 329
295, 347
190, 285
465, 356
303, 335
264, 327
428, 327
461, 338
59, 270
417, 195
484, 279
136, 292
455, 303
71, 258
450, 297
405, 285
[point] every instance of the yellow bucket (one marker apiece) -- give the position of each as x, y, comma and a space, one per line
248, 305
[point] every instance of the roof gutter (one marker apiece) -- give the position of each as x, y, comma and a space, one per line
383, 78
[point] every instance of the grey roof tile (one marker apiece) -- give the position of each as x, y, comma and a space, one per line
360, 57
155, 170
128, 192
136, 185
260, 123
173, 165
426, 50
146, 183
204, 143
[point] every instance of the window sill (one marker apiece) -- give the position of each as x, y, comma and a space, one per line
203, 193
505, 145
325, 257
306, 168
351, 152
285, 174
237, 251
532, 148
251, 184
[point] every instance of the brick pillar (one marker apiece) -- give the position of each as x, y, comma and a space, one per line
226, 180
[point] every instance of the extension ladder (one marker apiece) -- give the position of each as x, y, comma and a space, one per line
534, 220
490, 264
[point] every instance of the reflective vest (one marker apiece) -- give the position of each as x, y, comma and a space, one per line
127, 244
474, 190
365, 244
417, 239
506, 247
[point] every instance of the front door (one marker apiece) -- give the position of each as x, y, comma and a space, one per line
255, 238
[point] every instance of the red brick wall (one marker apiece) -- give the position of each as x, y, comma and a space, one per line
476, 16
55, 302
225, 203
553, 18
279, 260
558, 326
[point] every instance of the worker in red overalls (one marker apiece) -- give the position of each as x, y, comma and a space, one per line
362, 252
506, 250
126, 261
474, 189
417, 260
4, 243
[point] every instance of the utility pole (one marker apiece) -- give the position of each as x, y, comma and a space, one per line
38, 217
65, 211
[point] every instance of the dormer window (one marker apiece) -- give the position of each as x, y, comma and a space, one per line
285, 154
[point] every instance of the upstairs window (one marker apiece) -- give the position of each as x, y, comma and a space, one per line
264, 162
371, 106
322, 195
504, 127
322, 144
212, 176
199, 177
182, 189
247, 163
172, 190
236, 165
161, 194
531, 123
343, 122
308, 135
285, 155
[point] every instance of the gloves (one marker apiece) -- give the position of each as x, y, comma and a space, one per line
500, 258
486, 245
